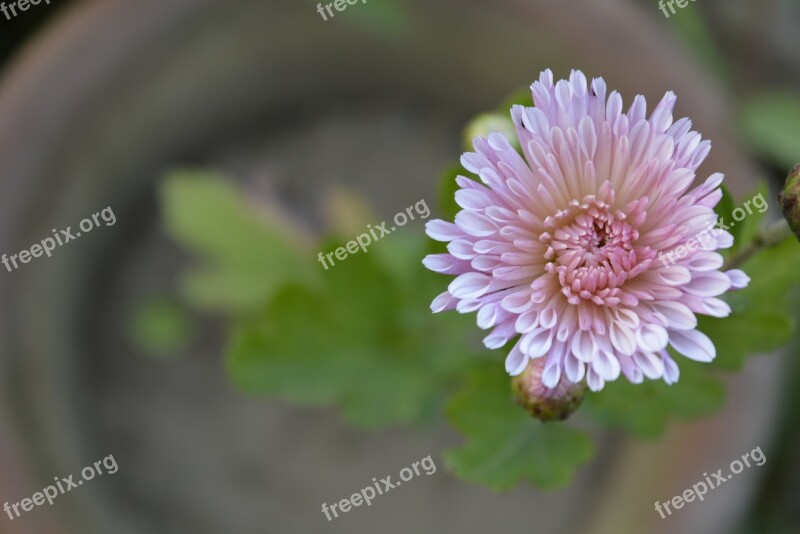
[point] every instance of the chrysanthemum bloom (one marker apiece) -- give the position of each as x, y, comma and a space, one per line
587, 250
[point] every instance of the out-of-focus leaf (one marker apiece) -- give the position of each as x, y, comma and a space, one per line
386, 19
723, 210
347, 213
725, 207
160, 327
294, 350
364, 342
447, 192
248, 252
227, 289
522, 97
744, 334
771, 123
504, 444
762, 320
775, 277
751, 217
646, 409
692, 27
749, 212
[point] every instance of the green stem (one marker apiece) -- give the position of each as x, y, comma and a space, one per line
768, 237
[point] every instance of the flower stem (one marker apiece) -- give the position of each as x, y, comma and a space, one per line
767, 237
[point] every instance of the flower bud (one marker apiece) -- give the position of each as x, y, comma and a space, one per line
789, 200
543, 403
487, 123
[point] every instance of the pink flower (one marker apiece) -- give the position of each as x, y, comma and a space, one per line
587, 250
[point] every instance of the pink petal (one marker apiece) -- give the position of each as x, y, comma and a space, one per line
738, 278
443, 230
679, 316
693, 344
708, 284
651, 365
606, 365
469, 285
651, 338
443, 302
516, 361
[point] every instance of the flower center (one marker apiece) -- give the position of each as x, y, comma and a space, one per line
591, 249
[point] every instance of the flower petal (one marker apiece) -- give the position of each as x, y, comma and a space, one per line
606, 365
469, 285
516, 361
693, 344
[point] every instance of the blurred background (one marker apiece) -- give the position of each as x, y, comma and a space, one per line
99, 98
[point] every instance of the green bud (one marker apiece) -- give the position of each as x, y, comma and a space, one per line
544, 403
789, 200
486, 123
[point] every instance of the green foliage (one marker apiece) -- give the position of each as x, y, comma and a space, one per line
747, 229
504, 444
771, 123
447, 191
775, 276
522, 97
248, 253
744, 334
723, 210
725, 206
743, 231
385, 19
646, 409
361, 341
762, 318
160, 327
693, 29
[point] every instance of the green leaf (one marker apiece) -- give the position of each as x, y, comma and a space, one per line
504, 444
725, 206
248, 252
724, 209
160, 327
750, 225
521, 97
227, 289
693, 28
447, 192
771, 123
294, 351
385, 19
646, 409
362, 342
775, 277
743, 334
